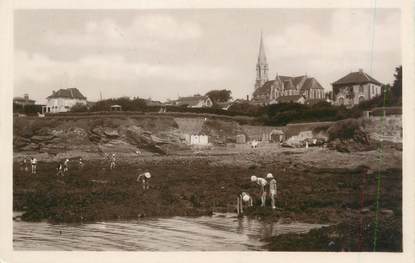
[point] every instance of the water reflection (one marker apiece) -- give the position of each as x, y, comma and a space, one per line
220, 232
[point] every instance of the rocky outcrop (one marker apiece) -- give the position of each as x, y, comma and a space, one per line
96, 136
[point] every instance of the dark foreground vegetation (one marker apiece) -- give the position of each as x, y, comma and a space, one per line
366, 234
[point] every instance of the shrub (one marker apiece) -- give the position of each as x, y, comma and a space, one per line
79, 107
344, 130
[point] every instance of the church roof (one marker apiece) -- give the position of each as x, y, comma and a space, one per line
289, 85
265, 89
311, 83
358, 77
295, 80
72, 93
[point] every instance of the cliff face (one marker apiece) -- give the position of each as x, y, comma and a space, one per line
54, 135
160, 135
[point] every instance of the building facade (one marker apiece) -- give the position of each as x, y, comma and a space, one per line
355, 88
196, 101
63, 100
268, 91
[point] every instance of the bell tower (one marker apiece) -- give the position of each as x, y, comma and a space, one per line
261, 66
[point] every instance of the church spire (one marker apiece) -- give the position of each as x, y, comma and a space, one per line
261, 66
262, 59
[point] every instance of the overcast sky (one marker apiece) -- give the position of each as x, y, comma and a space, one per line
168, 53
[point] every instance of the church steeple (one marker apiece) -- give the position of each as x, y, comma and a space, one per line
261, 66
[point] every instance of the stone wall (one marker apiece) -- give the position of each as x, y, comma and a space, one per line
388, 128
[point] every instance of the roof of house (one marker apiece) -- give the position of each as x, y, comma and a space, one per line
191, 101
291, 98
21, 99
358, 77
71, 93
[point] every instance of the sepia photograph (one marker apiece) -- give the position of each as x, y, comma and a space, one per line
235, 129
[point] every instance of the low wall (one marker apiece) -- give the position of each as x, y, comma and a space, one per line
190, 125
388, 128
259, 132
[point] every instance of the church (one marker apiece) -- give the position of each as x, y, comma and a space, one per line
283, 89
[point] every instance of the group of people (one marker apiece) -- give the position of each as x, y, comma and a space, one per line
144, 178
33, 163
268, 186
112, 159
63, 168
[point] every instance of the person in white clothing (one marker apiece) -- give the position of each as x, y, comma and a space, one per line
243, 198
66, 165
33, 161
272, 189
262, 183
113, 161
60, 170
145, 180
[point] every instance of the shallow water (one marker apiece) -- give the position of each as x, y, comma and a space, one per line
220, 232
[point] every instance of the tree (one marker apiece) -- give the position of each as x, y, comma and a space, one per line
219, 95
397, 83
79, 107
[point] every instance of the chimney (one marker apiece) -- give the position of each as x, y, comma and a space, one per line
247, 97
360, 70
26, 97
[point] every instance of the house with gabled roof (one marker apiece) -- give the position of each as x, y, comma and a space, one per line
196, 101
355, 88
63, 100
268, 91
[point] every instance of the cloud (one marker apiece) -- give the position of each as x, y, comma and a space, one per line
41, 69
146, 31
350, 32
345, 45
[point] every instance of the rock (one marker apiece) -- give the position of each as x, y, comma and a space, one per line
30, 147
40, 138
19, 142
111, 133
98, 131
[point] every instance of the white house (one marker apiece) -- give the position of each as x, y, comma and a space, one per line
63, 100
196, 101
